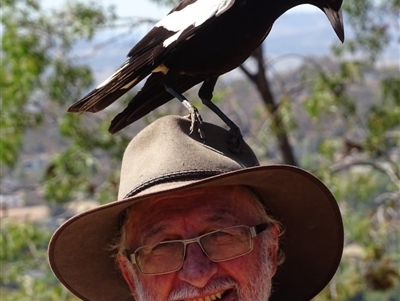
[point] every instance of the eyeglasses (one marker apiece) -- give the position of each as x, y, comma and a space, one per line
221, 245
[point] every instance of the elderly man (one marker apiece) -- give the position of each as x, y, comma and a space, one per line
197, 222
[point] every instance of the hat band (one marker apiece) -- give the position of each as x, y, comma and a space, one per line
190, 175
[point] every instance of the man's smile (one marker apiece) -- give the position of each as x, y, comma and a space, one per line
215, 296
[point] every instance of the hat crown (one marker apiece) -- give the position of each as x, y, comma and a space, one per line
165, 152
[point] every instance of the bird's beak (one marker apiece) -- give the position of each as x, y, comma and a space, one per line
336, 19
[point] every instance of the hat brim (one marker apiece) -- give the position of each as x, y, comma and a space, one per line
81, 255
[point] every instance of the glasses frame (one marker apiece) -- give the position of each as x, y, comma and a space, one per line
254, 231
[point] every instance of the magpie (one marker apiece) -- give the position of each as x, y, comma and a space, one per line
198, 41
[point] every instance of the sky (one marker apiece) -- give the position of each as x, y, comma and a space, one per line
125, 8
147, 8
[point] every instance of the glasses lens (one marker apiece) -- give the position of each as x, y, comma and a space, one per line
227, 243
160, 258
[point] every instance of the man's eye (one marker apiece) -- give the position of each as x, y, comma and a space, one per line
222, 237
165, 248
160, 248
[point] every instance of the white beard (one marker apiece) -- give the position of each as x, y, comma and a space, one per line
257, 288
260, 284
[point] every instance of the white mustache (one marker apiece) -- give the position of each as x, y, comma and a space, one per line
216, 285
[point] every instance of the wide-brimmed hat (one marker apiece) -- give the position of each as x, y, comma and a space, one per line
164, 158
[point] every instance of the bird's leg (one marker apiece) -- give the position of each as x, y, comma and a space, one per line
206, 94
194, 114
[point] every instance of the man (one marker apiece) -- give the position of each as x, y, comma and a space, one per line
194, 221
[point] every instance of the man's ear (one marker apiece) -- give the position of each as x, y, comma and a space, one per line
273, 248
127, 272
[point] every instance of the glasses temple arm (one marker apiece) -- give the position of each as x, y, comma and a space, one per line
258, 229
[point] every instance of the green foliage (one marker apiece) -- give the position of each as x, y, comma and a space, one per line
25, 273
167, 2
384, 118
329, 93
370, 22
78, 164
285, 110
40, 79
359, 159
38, 74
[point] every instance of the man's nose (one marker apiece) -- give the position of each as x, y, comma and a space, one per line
197, 268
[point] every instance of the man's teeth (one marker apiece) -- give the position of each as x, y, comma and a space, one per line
216, 296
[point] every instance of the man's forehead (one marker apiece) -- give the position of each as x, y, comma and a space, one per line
207, 214
216, 204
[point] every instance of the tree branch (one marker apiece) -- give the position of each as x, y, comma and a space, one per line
252, 77
262, 84
358, 162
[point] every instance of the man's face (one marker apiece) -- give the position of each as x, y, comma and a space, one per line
189, 214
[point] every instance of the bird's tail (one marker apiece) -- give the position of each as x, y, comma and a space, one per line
120, 82
150, 97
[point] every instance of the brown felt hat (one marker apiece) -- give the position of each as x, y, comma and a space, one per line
165, 158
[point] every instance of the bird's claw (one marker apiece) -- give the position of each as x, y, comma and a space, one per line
236, 141
195, 118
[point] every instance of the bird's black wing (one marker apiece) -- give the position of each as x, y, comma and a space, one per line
180, 24
156, 36
130, 73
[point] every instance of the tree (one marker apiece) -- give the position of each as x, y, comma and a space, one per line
353, 146
366, 176
40, 78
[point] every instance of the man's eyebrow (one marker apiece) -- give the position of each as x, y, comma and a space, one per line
153, 230
223, 216
219, 216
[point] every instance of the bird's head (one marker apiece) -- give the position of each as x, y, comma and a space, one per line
332, 9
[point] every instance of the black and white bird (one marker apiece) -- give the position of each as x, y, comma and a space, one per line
198, 41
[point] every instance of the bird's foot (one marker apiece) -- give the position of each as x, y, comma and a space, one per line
236, 142
196, 120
